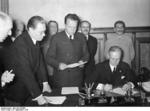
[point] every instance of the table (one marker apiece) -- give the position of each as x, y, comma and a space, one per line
73, 100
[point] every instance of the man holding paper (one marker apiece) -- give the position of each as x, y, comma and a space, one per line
113, 72
67, 54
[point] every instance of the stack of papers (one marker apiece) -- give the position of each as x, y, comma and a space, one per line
55, 99
69, 90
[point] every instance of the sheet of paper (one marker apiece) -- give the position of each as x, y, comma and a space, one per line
55, 99
69, 90
119, 91
146, 86
75, 64
135, 92
100, 86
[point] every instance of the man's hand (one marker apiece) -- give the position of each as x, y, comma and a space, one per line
127, 86
40, 100
46, 87
107, 87
81, 62
62, 66
7, 77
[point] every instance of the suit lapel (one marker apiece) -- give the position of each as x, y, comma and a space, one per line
109, 72
34, 52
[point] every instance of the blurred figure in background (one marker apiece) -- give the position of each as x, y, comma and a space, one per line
52, 29
18, 29
92, 48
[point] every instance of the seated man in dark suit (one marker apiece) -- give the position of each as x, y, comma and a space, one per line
27, 63
113, 72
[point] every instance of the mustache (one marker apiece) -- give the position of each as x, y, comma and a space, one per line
86, 30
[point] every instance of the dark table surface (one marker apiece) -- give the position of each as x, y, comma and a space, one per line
107, 100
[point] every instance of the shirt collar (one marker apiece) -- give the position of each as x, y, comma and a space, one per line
87, 37
34, 41
112, 67
72, 36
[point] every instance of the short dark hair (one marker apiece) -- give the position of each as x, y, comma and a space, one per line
119, 22
52, 21
72, 17
34, 20
85, 21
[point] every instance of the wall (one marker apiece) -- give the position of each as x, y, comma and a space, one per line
101, 13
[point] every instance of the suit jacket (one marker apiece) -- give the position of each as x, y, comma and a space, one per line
27, 64
92, 48
122, 75
64, 50
1, 96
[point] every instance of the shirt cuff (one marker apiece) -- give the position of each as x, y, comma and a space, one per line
3, 84
35, 99
45, 83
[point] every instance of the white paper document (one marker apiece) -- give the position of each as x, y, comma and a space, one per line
75, 64
119, 91
55, 99
69, 90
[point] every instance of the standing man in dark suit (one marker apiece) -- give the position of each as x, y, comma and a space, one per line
68, 47
5, 30
27, 63
113, 72
92, 48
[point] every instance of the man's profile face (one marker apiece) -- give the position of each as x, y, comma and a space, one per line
39, 31
85, 28
5, 29
71, 26
119, 29
114, 58
53, 28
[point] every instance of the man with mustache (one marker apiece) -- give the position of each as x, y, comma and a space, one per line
92, 48
121, 39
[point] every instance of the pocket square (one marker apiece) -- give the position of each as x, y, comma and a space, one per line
122, 77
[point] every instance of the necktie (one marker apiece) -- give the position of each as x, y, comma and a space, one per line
70, 37
37, 44
114, 70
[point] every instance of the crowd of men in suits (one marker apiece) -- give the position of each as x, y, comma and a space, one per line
61, 59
